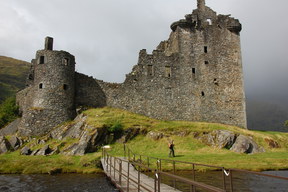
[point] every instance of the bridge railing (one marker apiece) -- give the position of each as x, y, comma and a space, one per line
113, 165
226, 178
124, 178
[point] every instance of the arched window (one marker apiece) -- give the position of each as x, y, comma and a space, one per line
41, 86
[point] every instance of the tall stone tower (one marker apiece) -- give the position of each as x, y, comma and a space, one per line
49, 99
195, 75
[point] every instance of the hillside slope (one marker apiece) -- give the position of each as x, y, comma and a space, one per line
75, 146
13, 75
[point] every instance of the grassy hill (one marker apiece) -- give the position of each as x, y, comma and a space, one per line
13, 75
187, 147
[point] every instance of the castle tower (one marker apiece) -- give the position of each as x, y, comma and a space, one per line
50, 99
195, 75
54, 80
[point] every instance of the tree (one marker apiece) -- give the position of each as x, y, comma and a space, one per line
286, 123
8, 111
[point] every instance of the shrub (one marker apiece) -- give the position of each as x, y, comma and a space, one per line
114, 125
9, 111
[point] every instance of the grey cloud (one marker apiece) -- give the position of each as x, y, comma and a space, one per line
106, 36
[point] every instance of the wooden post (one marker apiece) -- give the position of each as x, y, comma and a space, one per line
174, 171
128, 173
231, 180
114, 167
120, 172
194, 177
224, 180
138, 178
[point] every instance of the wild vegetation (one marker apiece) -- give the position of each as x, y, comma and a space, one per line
188, 148
13, 73
8, 111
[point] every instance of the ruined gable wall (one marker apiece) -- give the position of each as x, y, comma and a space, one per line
88, 92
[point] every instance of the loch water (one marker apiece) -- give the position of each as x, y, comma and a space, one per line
56, 183
99, 183
241, 182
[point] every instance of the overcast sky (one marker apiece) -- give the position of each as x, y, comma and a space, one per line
106, 36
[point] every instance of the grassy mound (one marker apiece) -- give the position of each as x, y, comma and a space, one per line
190, 149
187, 147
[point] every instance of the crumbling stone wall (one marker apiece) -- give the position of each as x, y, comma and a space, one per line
88, 92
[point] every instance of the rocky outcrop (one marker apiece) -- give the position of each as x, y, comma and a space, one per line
230, 140
10, 129
244, 144
4, 145
219, 139
73, 138
129, 134
25, 151
15, 142
272, 143
44, 150
155, 135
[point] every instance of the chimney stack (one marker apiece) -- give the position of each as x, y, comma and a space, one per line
201, 4
49, 43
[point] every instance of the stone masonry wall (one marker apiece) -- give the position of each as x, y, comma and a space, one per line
88, 92
195, 75
49, 99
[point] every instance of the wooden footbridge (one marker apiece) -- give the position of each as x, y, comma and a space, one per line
138, 173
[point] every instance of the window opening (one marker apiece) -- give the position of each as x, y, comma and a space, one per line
150, 70
168, 71
41, 61
66, 61
216, 82
30, 77
41, 86
203, 94
193, 70
65, 87
205, 49
209, 21
206, 62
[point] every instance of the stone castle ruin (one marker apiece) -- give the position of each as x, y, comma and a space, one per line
195, 75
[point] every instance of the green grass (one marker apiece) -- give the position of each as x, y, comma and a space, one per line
186, 148
13, 163
190, 149
13, 74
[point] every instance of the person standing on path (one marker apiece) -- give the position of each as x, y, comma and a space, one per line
171, 147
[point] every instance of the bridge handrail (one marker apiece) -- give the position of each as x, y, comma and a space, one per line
194, 183
225, 172
157, 175
261, 174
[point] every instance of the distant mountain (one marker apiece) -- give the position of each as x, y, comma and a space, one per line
13, 75
266, 115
